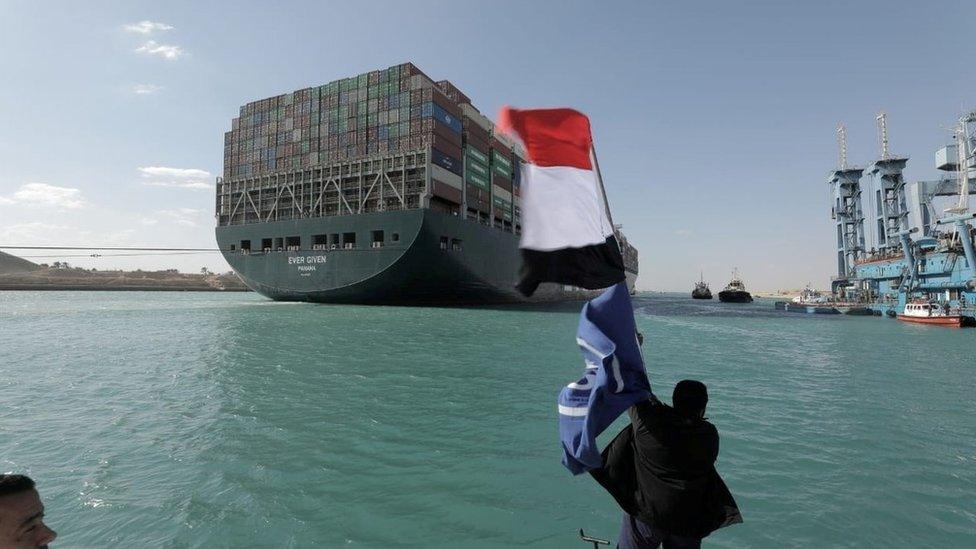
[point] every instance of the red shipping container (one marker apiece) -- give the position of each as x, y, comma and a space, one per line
500, 181
475, 131
445, 191
478, 144
446, 147
448, 106
502, 148
435, 126
452, 92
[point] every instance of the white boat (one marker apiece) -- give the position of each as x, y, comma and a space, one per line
809, 296
930, 312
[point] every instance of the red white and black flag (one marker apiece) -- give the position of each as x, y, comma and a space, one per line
567, 237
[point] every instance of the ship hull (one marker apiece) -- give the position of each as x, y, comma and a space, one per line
701, 295
426, 257
945, 321
732, 296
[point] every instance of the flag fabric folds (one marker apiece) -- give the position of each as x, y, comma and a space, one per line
567, 237
614, 379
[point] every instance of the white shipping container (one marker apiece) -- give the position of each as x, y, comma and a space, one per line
476, 117
444, 176
501, 193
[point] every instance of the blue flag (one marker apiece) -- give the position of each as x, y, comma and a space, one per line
614, 379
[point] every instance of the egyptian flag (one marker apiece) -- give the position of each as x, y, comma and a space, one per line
567, 237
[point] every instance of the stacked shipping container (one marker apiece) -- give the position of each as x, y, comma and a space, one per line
380, 114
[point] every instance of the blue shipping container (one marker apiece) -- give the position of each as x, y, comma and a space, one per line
446, 161
446, 118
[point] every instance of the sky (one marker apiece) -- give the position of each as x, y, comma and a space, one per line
714, 122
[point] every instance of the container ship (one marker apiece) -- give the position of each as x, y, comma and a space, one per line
386, 187
900, 245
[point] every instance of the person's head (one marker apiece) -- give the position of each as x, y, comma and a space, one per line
689, 398
22, 515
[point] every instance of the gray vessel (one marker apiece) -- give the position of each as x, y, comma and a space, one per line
418, 203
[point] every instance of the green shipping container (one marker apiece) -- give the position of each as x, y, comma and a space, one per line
477, 180
501, 203
501, 160
477, 167
477, 155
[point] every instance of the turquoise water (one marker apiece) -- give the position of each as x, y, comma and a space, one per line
190, 420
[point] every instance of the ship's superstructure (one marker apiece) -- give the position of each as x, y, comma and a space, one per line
920, 242
735, 291
701, 291
387, 187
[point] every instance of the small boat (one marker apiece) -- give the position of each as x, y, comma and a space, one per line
701, 290
809, 301
809, 308
930, 312
735, 292
809, 296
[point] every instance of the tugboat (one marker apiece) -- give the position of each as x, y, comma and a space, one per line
735, 292
701, 290
931, 312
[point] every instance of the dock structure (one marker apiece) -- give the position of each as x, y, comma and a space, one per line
845, 185
916, 250
887, 184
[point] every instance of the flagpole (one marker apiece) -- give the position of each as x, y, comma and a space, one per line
603, 190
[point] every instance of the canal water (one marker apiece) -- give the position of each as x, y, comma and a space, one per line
226, 420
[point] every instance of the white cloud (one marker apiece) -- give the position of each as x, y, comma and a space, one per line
165, 51
186, 217
684, 232
183, 178
181, 173
199, 185
42, 194
146, 27
31, 234
146, 89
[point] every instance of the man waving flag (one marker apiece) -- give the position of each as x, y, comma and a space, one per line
568, 238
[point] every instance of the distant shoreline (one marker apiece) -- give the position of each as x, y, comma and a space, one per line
115, 288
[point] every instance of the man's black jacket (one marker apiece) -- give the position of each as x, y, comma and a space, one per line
661, 470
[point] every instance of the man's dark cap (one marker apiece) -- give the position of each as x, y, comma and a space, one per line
689, 397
